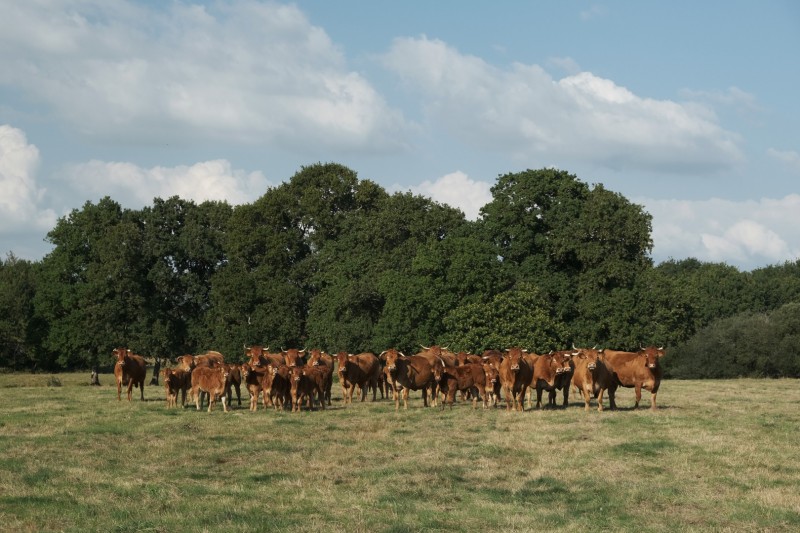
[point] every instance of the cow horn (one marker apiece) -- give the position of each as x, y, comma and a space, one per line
660, 348
424, 347
401, 353
444, 347
573, 346
594, 347
303, 350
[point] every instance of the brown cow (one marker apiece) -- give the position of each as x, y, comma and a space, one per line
259, 356
306, 383
639, 370
130, 370
592, 377
210, 358
545, 371
235, 382
319, 358
515, 376
470, 377
491, 391
434, 354
294, 357
276, 386
563, 376
411, 373
176, 380
213, 380
462, 358
358, 370
186, 362
252, 378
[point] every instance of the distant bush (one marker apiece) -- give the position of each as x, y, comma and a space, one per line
745, 345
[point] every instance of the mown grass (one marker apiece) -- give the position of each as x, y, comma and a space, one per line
717, 455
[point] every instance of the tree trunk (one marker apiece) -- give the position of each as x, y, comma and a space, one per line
95, 377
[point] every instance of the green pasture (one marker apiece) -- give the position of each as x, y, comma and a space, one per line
717, 455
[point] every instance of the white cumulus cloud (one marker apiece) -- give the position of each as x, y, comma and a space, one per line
457, 190
526, 113
136, 187
20, 195
246, 71
745, 233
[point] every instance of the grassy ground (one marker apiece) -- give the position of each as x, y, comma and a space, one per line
717, 455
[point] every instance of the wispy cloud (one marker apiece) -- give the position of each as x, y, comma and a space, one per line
525, 113
791, 158
246, 71
592, 12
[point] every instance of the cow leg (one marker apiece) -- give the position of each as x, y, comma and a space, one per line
130, 390
586, 397
612, 393
653, 401
566, 395
600, 399
405, 398
638, 389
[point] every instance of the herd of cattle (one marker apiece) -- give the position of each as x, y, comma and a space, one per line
296, 378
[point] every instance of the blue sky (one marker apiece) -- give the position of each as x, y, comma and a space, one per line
687, 108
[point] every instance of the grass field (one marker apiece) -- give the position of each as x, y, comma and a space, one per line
717, 455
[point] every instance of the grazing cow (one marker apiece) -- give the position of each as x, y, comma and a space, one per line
294, 357
358, 370
306, 383
176, 380
515, 376
470, 377
129, 370
592, 377
213, 380
639, 370
545, 371
252, 378
319, 358
411, 373
491, 391
276, 386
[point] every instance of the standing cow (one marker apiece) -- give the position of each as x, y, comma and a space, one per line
592, 376
640, 370
129, 370
410, 373
515, 376
358, 370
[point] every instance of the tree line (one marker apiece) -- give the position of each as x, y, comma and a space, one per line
332, 261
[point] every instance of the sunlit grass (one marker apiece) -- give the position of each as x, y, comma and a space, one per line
717, 455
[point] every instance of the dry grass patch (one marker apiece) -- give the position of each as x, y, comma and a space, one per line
718, 455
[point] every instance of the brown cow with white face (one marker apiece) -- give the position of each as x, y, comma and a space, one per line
515, 376
410, 373
640, 370
129, 370
592, 377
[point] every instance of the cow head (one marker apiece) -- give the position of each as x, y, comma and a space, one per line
255, 354
563, 361
590, 355
391, 357
295, 375
295, 357
119, 354
514, 357
315, 357
492, 375
651, 355
438, 369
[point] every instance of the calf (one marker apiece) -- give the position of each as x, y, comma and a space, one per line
215, 381
592, 377
210, 358
470, 377
234, 382
411, 373
515, 376
252, 378
563, 376
129, 370
276, 386
176, 380
640, 370
306, 383
358, 370
491, 390
319, 358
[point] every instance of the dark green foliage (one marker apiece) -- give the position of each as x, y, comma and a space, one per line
331, 261
746, 345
